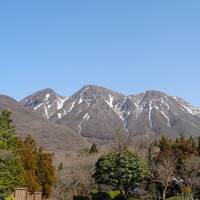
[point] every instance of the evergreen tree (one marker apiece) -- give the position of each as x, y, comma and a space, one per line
11, 172
191, 145
7, 131
11, 168
45, 172
6, 122
198, 147
60, 166
93, 149
21, 162
164, 143
38, 166
28, 152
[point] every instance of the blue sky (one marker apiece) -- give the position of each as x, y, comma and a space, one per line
128, 46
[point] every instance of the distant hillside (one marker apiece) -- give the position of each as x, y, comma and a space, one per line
51, 136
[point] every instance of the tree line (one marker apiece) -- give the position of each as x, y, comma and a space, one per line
172, 168
22, 162
169, 169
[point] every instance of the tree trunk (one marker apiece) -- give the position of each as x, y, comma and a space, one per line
163, 196
164, 193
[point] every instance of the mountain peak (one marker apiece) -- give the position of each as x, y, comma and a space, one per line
95, 90
44, 91
45, 101
95, 111
154, 93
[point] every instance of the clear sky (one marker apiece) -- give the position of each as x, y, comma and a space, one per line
126, 45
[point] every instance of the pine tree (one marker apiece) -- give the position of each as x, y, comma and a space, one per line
11, 172
29, 156
7, 131
11, 168
45, 172
93, 149
38, 166
60, 166
191, 145
198, 148
164, 143
6, 122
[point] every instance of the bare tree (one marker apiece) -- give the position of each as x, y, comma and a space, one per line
190, 173
76, 177
163, 170
122, 140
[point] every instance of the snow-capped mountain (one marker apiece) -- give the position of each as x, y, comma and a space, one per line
161, 114
46, 102
92, 111
97, 112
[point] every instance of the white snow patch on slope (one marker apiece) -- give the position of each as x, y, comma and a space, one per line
60, 102
118, 111
85, 118
137, 102
46, 112
187, 107
150, 110
84, 91
36, 107
110, 102
117, 108
59, 115
168, 121
80, 100
72, 106
47, 97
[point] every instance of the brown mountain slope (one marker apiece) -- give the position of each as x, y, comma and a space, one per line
52, 137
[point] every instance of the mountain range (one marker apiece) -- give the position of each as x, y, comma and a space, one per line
97, 113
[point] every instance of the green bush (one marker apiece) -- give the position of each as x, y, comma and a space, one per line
122, 171
101, 196
80, 198
120, 197
113, 194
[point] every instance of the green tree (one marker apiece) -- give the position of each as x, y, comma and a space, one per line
191, 145
7, 131
122, 171
38, 166
164, 143
198, 148
60, 166
93, 149
27, 150
11, 171
22, 162
11, 168
45, 172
